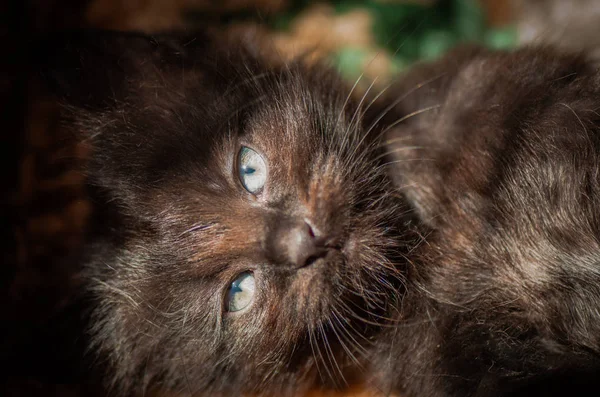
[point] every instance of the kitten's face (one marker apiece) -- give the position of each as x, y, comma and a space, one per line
254, 232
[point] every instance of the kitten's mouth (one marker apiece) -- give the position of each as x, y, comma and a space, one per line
323, 254
329, 257
313, 259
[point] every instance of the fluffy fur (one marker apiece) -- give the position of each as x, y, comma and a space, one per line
499, 154
165, 118
571, 25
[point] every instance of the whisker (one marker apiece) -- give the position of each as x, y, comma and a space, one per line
354, 120
388, 322
344, 346
331, 356
356, 345
408, 116
404, 161
376, 140
401, 119
401, 98
409, 36
357, 146
396, 139
397, 150
339, 119
314, 344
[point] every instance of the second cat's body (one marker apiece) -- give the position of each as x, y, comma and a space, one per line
501, 161
572, 25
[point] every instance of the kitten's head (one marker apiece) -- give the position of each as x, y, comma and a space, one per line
249, 233
501, 160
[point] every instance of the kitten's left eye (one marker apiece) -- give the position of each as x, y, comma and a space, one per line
252, 170
241, 292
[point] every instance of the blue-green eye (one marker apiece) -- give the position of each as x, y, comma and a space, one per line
241, 292
252, 170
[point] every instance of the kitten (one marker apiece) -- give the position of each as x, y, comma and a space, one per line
245, 238
499, 155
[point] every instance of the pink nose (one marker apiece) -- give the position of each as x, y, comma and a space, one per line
304, 246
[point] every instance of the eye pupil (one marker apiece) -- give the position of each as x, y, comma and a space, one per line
241, 292
248, 170
252, 170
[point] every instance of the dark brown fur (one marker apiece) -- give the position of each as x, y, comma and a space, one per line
164, 118
502, 164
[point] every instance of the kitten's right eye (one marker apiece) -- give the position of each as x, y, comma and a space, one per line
241, 292
252, 170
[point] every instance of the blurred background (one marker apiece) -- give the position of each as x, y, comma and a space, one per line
44, 208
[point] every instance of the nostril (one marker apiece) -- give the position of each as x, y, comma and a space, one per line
311, 232
312, 259
310, 255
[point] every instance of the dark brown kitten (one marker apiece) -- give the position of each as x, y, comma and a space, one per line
501, 159
245, 233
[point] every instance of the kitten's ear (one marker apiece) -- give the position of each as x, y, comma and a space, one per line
83, 68
93, 69
121, 93
408, 117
